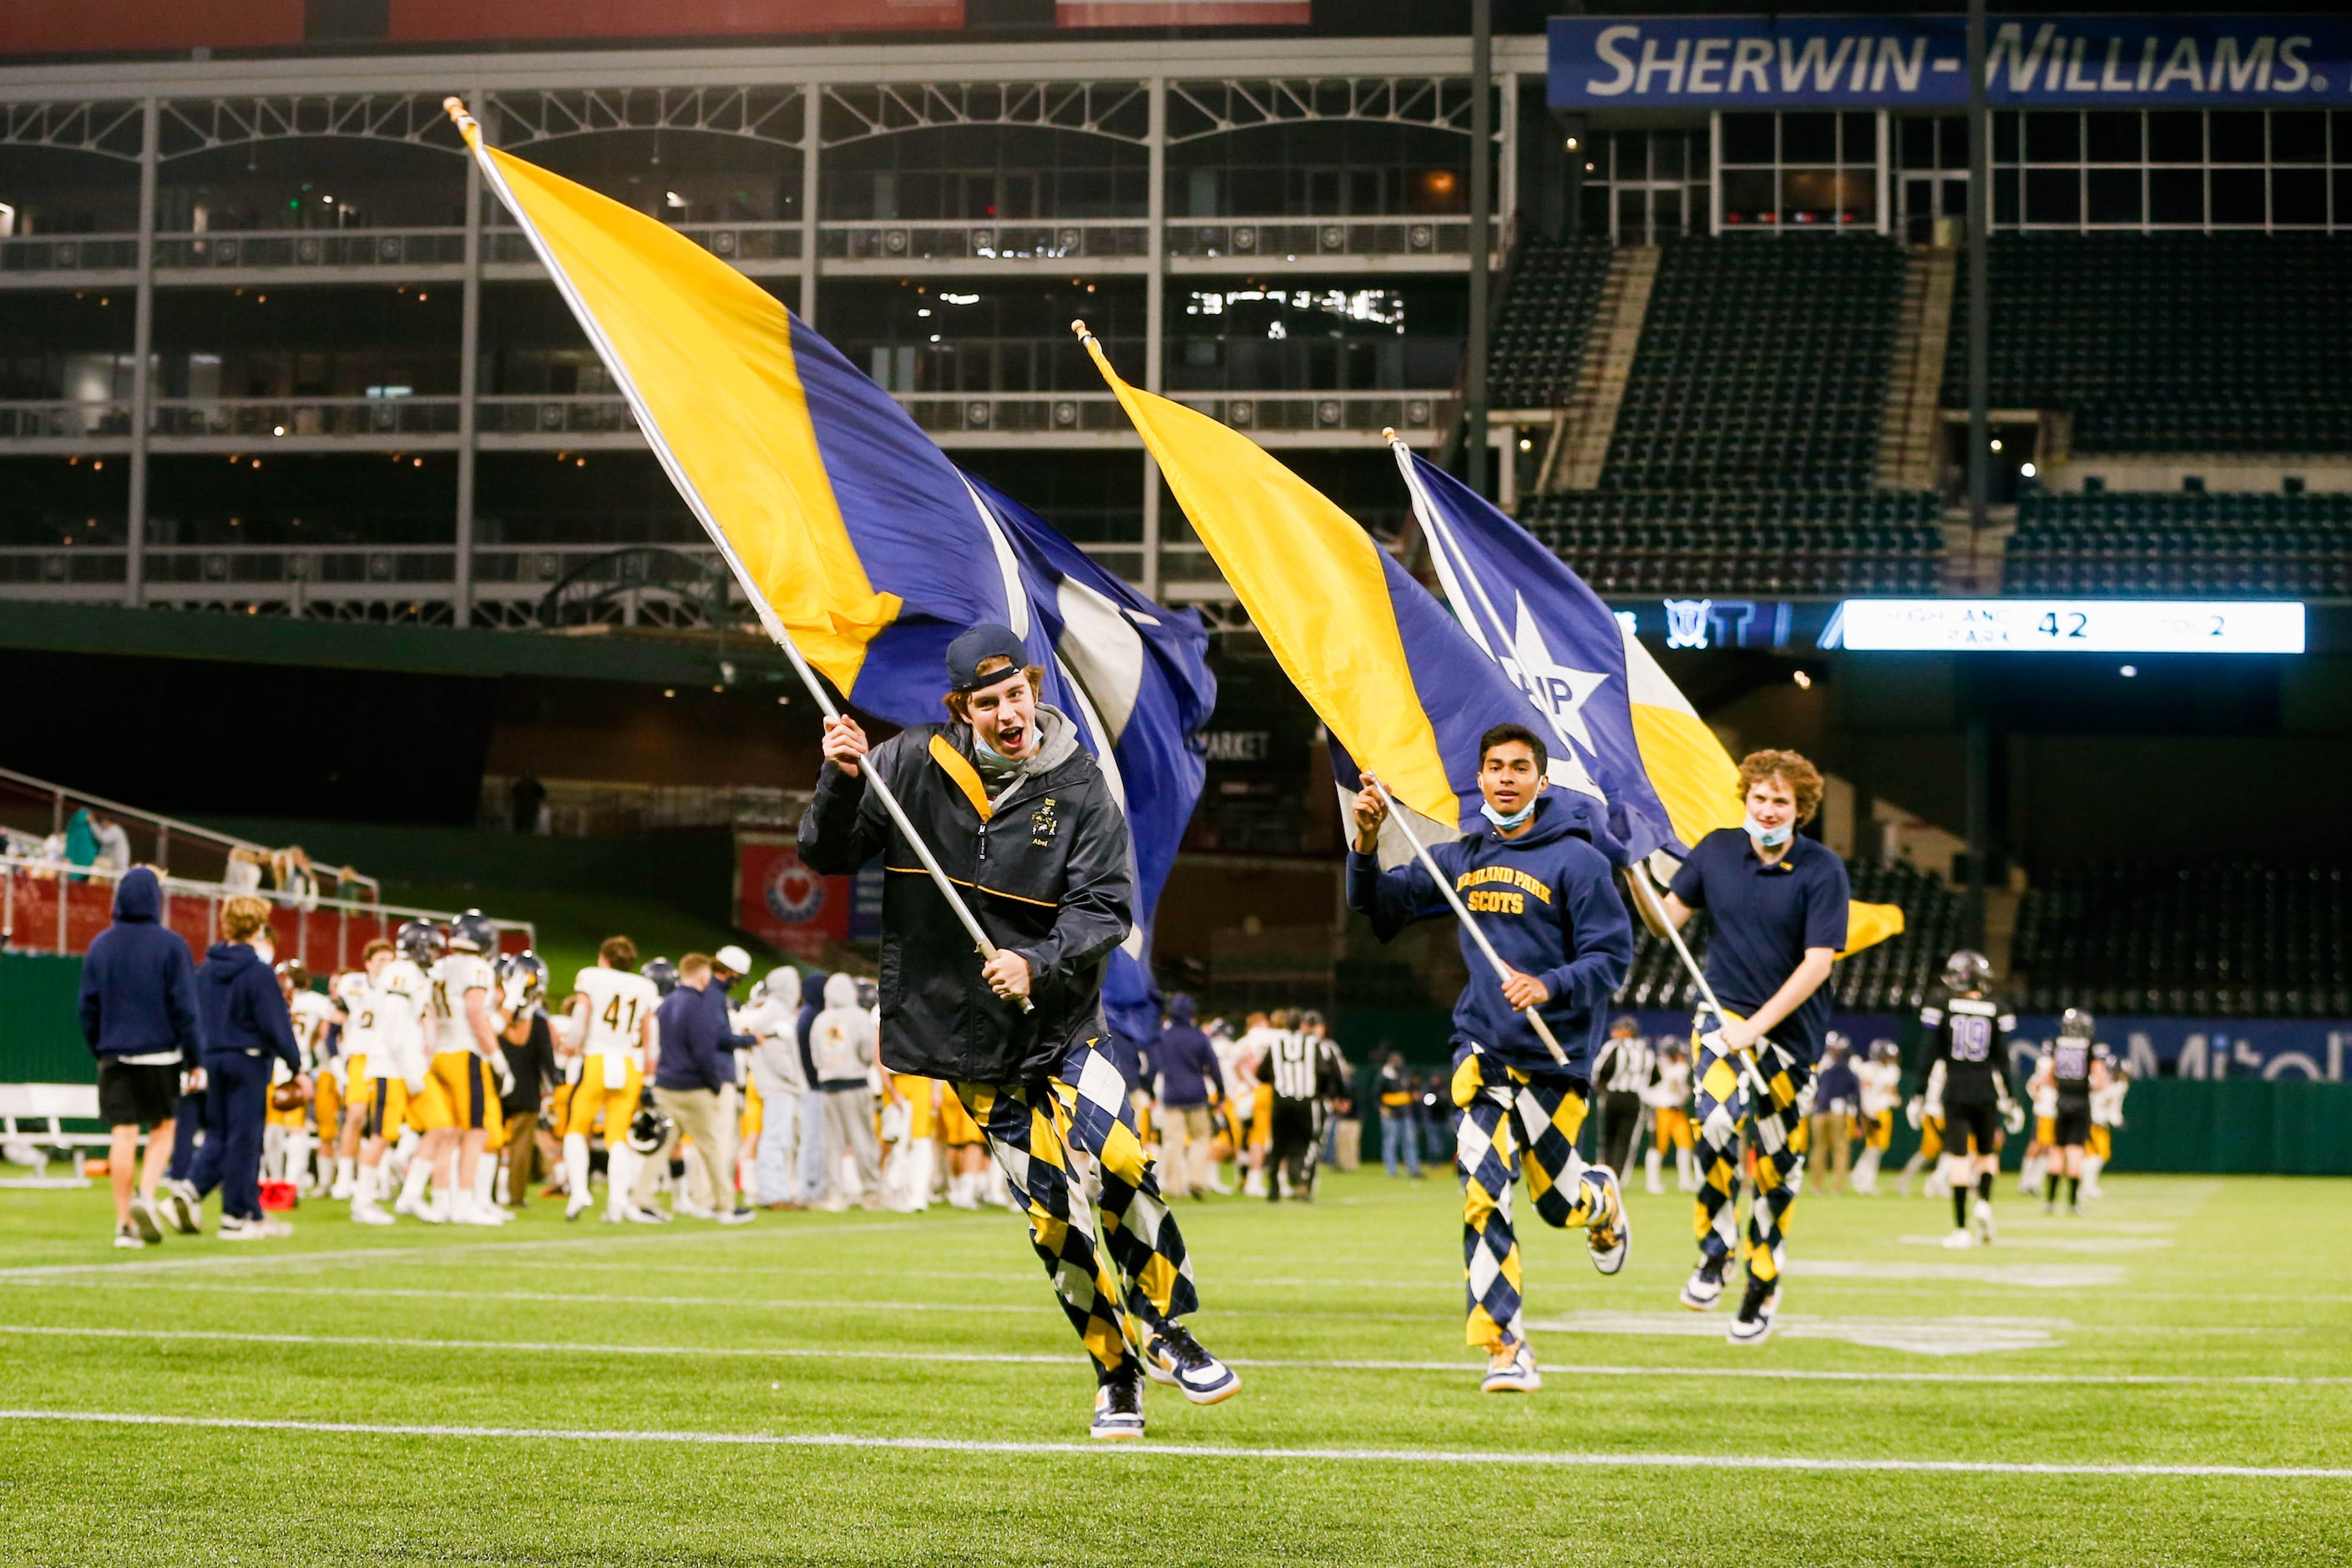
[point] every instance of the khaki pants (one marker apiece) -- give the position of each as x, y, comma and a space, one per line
523, 1163
703, 1115
1184, 1134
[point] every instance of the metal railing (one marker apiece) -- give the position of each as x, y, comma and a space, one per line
53, 906
1294, 238
266, 418
310, 247
67, 567
64, 419
1044, 239
568, 415
738, 242
37, 809
1276, 412
70, 253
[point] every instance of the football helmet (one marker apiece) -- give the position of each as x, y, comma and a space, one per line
292, 972
650, 1128
419, 942
869, 995
1968, 969
661, 973
522, 980
1884, 1050
2074, 1024
473, 932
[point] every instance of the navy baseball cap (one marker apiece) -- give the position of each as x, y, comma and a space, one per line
975, 646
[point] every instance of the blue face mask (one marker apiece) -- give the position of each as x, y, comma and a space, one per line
1769, 837
1507, 823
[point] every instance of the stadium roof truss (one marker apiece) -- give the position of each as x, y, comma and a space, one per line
1120, 110
201, 124
770, 114
108, 128
1208, 107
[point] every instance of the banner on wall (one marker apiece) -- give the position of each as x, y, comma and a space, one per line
783, 903
1921, 62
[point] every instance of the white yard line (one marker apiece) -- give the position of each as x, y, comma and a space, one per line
575, 1347
1468, 1458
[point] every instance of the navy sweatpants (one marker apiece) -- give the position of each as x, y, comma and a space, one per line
237, 1104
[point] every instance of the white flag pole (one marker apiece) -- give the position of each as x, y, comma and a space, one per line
1461, 912
471, 130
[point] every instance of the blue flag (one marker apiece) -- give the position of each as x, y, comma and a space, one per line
1134, 678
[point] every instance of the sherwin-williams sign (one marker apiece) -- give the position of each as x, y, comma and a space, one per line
1860, 62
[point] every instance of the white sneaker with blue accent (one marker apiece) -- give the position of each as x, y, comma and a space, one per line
1175, 1358
1608, 1233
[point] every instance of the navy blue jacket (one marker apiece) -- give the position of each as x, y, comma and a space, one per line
1187, 1067
695, 1049
239, 1007
137, 983
1546, 901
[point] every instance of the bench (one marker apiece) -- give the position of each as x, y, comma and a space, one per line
53, 1104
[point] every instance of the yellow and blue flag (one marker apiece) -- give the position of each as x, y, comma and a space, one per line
1635, 738
1402, 689
854, 538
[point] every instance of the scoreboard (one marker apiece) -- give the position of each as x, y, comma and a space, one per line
2066, 626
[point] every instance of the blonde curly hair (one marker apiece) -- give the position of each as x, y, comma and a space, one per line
1804, 779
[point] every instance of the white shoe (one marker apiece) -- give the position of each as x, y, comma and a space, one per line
578, 1204
343, 1188
1980, 1218
1960, 1240
365, 1212
1753, 1326
1511, 1370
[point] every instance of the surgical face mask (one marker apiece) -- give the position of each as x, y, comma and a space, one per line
264, 951
1769, 837
1507, 823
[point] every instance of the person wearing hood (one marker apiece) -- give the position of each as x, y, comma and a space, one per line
841, 1047
780, 1078
1544, 896
1189, 1075
139, 1018
1016, 811
244, 1026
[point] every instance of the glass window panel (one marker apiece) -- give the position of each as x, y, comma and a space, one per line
1632, 154
1747, 196
2004, 199
1914, 143
1633, 217
1809, 196
2343, 178
2299, 196
2053, 136
1748, 138
1955, 199
2238, 136
2342, 119
1666, 155
2300, 136
1665, 213
2004, 140
1592, 210
1858, 138
2175, 196
1808, 138
2238, 196
1952, 144
2175, 136
1858, 195
1696, 144
2114, 196
2052, 196
2113, 136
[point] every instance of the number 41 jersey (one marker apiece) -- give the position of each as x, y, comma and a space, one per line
618, 1004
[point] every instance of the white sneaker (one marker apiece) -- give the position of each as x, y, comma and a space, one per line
344, 1187
1980, 1218
1960, 1240
233, 1229
1511, 1370
365, 1212
1610, 1235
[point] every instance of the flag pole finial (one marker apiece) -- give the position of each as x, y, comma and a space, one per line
455, 109
1079, 327
1388, 434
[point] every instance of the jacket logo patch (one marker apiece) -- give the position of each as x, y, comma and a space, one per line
1042, 823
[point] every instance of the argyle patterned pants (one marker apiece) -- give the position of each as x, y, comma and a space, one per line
1777, 1136
1069, 1147
1512, 1122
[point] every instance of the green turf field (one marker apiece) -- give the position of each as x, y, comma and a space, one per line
876, 1388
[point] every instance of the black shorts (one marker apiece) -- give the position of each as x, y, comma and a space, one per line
1966, 1119
2073, 1125
137, 1094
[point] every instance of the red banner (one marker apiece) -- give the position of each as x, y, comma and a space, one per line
463, 21
783, 903
1182, 13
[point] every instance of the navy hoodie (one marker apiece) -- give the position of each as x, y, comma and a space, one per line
241, 1007
1546, 901
1187, 1062
137, 983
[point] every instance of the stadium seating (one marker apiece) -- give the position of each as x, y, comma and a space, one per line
2171, 343
1763, 365
1891, 977
1790, 542
1548, 312
2229, 940
2181, 543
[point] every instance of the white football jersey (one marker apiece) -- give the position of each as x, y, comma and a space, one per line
310, 1012
618, 1004
358, 995
454, 974
403, 1000
1881, 1085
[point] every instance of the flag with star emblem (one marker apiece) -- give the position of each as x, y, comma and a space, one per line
1634, 738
